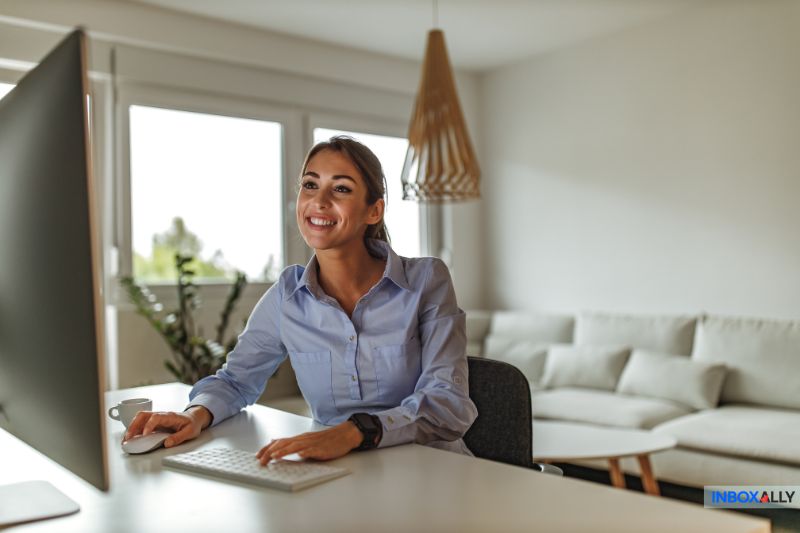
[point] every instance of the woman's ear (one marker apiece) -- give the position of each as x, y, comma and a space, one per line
375, 213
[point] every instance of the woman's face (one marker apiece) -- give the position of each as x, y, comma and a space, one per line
332, 209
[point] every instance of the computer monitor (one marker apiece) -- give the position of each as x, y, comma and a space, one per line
51, 327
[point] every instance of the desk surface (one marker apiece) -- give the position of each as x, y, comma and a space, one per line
404, 488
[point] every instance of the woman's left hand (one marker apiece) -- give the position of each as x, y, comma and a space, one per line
323, 445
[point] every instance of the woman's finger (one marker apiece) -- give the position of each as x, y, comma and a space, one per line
163, 421
137, 424
264, 449
291, 448
311, 453
282, 444
179, 437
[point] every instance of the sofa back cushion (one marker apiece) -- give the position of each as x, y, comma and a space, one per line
522, 338
691, 383
595, 367
762, 357
478, 324
666, 334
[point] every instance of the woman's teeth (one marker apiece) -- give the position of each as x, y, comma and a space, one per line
321, 221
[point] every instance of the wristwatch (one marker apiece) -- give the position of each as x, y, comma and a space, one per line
370, 426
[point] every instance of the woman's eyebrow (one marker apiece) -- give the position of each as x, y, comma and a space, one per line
313, 174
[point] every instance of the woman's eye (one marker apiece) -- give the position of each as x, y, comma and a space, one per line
341, 188
309, 185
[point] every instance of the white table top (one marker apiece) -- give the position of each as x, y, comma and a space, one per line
405, 488
565, 441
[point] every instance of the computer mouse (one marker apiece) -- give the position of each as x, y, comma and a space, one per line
145, 443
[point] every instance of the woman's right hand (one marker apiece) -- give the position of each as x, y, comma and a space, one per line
184, 426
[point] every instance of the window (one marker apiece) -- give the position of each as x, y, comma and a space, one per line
208, 185
5, 88
402, 217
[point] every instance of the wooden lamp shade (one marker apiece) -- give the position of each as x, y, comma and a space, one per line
440, 164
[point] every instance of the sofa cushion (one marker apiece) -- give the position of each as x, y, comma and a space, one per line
604, 408
595, 367
762, 356
528, 356
740, 431
539, 327
666, 334
522, 339
692, 383
478, 324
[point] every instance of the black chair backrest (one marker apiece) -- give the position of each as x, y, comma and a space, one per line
502, 432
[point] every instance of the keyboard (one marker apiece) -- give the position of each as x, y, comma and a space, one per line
240, 465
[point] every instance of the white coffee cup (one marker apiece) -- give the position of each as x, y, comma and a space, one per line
126, 410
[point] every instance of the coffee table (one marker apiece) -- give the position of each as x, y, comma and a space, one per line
568, 441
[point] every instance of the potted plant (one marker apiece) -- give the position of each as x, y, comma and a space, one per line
193, 355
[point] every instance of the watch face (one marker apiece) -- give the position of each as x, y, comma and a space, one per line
365, 421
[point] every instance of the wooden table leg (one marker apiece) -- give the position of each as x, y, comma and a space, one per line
648, 480
617, 479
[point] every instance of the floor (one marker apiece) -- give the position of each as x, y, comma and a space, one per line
783, 520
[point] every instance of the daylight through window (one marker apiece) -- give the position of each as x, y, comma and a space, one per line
209, 186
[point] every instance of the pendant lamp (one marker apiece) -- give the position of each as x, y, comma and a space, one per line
440, 164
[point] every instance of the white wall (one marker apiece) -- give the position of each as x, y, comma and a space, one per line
164, 50
656, 169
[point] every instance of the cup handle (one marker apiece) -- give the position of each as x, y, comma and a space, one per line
111, 413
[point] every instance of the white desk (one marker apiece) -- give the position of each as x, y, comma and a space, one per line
406, 488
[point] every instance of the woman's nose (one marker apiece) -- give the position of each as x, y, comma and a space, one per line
323, 197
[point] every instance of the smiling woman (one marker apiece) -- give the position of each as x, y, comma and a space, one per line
403, 217
341, 196
377, 341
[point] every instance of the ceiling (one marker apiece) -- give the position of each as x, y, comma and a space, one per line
480, 34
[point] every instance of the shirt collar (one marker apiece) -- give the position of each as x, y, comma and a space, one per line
395, 270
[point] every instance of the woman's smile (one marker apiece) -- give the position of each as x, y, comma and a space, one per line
320, 223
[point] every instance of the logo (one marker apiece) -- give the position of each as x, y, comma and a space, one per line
751, 497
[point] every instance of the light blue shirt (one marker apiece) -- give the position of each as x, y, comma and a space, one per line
401, 356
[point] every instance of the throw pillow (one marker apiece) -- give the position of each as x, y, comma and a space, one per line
677, 378
596, 367
526, 355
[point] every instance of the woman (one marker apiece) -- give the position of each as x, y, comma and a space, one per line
377, 341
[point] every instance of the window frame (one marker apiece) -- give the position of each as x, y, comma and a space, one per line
131, 94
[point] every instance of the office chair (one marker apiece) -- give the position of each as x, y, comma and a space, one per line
503, 430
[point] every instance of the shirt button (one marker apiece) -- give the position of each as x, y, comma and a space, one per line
353, 378
352, 338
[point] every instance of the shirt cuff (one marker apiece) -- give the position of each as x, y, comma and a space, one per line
398, 427
217, 407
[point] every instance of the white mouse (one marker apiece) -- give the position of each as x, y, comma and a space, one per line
145, 443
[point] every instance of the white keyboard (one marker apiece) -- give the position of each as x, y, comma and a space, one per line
239, 465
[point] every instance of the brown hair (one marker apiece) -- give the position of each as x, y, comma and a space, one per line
370, 168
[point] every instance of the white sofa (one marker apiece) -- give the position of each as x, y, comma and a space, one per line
729, 393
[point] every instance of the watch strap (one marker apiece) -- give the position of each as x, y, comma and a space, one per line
370, 426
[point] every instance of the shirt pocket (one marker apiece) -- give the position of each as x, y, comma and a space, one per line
314, 377
397, 369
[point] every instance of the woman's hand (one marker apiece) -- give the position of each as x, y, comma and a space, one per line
323, 445
185, 426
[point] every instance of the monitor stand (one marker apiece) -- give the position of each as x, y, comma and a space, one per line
33, 500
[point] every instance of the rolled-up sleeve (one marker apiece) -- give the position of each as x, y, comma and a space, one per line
440, 407
258, 353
